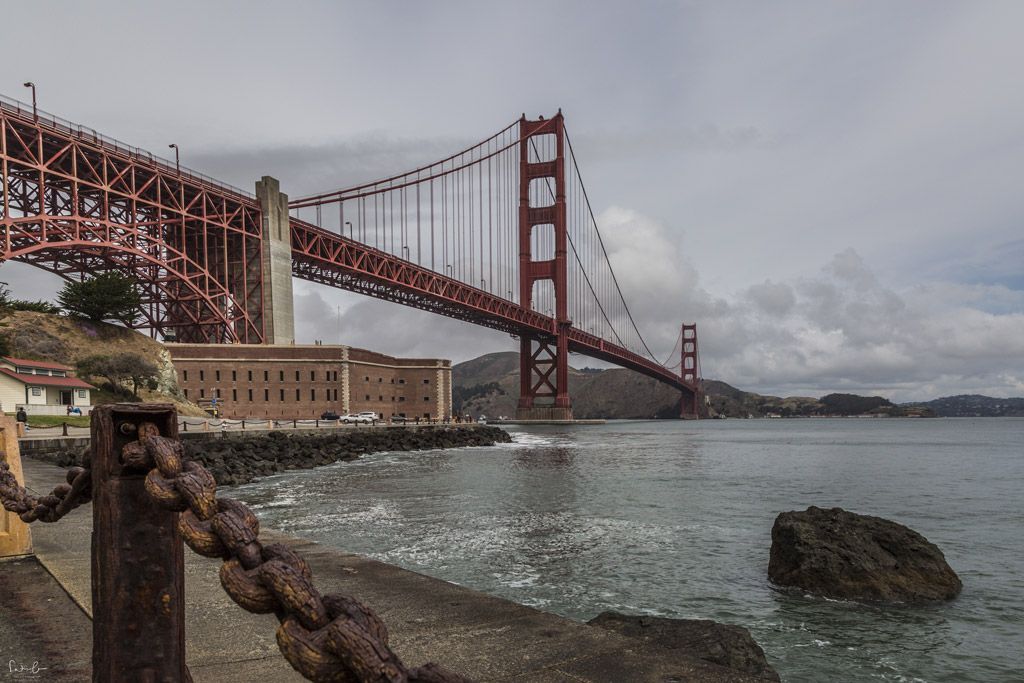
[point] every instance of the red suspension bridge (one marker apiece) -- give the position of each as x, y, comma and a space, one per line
501, 235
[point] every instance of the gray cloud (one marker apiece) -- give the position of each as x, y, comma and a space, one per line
834, 198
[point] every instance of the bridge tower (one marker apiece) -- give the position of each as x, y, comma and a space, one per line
689, 370
543, 359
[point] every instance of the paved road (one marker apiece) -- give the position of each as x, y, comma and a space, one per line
198, 424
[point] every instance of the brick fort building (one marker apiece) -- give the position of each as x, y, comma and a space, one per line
304, 381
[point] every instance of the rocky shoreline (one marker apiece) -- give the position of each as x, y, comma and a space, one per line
239, 459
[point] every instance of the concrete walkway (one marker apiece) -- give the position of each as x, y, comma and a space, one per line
482, 637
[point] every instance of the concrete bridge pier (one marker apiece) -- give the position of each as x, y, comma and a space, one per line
278, 306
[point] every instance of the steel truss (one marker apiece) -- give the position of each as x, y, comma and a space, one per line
75, 206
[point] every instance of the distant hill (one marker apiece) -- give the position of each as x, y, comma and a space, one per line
974, 405
489, 385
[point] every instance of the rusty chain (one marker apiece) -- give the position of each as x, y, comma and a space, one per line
49, 508
324, 637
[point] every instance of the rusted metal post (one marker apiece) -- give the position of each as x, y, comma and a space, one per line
138, 582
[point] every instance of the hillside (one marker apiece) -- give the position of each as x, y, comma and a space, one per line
974, 405
489, 385
57, 338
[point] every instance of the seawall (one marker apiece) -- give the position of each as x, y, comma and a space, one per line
239, 457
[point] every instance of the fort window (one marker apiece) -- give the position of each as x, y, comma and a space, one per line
401, 399
366, 379
281, 376
234, 395
216, 375
186, 393
266, 395
266, 375
202, 393
282, 395
297, 394
401, 381
312, 375
380, 398
216, 392
250, 396
426, 399
202, 375
426, 381
296, 375
312, 394
367, 397
380, 379
184, 376
234, 375
250, 375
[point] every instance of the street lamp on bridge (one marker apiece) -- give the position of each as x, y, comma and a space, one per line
35, 112
405, 250
351, 234
177, 158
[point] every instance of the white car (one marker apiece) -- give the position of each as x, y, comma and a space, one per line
361, 417
370, 416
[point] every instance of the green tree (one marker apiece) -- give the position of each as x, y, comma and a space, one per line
107, 296
119, 369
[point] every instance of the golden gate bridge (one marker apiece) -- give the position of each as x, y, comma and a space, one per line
501, 234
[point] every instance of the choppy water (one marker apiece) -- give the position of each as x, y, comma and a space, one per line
674, 519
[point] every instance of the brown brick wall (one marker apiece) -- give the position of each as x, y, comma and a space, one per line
304, 381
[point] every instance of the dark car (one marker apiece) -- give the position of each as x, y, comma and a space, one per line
329, 415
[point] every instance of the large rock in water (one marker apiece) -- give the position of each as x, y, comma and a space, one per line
840, 554
722, 644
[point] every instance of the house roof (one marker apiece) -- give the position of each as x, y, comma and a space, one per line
25, 362
46, 380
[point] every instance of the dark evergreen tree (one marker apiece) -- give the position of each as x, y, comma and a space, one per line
107, 296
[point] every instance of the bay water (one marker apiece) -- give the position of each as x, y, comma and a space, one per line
674, 519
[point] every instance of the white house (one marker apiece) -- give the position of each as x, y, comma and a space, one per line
41, 387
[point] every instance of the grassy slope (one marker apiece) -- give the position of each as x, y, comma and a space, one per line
43, 336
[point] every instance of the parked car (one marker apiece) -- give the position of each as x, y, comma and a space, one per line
373, 417
356, 419
329, 415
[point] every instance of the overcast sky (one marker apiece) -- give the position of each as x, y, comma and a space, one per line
832, 190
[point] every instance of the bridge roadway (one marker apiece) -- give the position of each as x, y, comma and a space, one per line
325, 257
480, 636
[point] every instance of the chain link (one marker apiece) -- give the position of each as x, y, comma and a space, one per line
324, 637
49, 508
332, 638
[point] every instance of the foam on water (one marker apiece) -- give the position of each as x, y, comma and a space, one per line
674, 519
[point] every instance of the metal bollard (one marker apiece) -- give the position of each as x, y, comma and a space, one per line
138, 591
